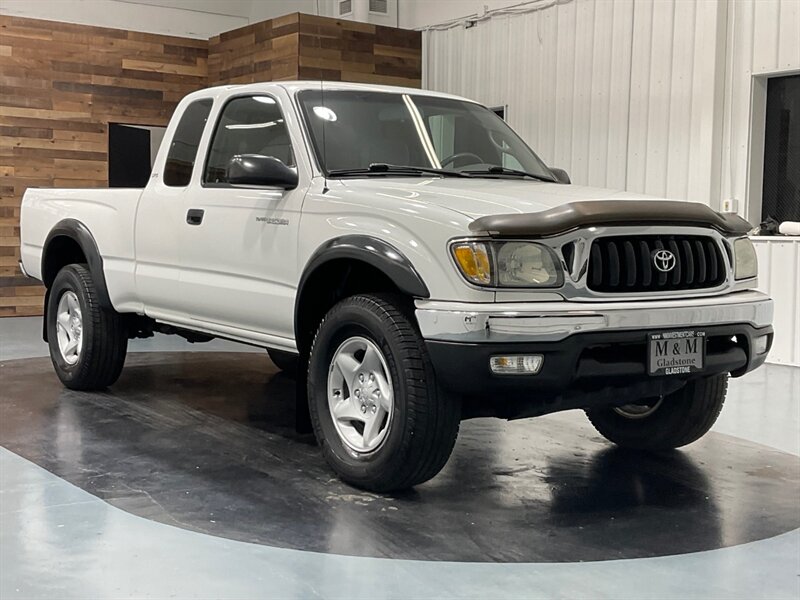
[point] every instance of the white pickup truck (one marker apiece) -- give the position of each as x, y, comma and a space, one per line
415, 261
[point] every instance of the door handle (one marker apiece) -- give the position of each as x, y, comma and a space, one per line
195, 216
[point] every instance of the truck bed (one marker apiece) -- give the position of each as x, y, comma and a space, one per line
108, 213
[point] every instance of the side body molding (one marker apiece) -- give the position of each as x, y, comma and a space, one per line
78, 232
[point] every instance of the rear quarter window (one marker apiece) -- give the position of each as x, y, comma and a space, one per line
183, 148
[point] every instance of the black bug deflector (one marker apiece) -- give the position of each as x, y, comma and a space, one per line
608, 212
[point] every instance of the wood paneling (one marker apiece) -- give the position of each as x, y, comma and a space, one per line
62, 84
300, 46
265, 51
343, 50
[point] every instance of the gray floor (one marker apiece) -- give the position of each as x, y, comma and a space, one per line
58, 541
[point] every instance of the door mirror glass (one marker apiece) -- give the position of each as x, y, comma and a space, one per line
257, 169
561, 175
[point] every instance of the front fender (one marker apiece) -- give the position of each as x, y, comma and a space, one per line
374, 252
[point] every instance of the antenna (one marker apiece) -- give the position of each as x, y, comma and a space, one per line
324, 145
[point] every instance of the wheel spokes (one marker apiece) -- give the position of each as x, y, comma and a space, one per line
72, 303
348, 366
360, 394
71, 347
371, 362
385, 399
69, 327
372, 427
345, 410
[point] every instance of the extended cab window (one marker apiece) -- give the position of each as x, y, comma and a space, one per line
183, 150
248, 125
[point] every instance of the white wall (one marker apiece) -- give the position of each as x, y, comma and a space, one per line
779, 273
619, 93
415, 14
261, 10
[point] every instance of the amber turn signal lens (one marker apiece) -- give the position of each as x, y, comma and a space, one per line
473, 260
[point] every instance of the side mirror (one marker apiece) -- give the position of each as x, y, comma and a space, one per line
561, 175
256, 169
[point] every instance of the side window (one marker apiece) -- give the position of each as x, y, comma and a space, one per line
183, 149
248, 125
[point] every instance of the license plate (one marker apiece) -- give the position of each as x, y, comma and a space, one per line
676, 352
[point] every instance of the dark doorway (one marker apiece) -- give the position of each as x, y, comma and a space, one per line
781, 191
131, 152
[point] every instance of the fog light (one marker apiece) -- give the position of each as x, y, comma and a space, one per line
760, 344
516, 364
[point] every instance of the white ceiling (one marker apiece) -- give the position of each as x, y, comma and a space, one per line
253, 10
234, 8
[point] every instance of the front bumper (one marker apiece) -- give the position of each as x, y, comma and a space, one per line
594, 354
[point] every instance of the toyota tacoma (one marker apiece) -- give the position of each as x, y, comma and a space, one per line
414, 262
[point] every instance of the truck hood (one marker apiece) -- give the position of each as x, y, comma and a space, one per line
483, 197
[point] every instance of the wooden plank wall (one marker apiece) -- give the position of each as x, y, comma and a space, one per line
62, 84
300, 46
265, 51
341, 50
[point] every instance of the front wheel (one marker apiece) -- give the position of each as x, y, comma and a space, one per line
664, 423
88, 343
375, 407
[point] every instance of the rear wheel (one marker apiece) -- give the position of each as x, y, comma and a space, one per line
88, 343
675, 420
375, 407
285, 361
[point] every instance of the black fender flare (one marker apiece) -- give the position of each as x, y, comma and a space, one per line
78, 232
368, 249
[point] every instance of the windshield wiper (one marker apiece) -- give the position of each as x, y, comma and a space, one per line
498, 170
384, 169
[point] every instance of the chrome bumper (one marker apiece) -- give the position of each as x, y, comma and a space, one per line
554, 321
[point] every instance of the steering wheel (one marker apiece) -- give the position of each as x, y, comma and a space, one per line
454, 157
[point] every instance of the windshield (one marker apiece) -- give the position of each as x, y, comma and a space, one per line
363, 128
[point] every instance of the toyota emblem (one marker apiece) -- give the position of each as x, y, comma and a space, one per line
664, 260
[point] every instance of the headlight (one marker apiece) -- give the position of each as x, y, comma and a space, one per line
507, 264
746, 262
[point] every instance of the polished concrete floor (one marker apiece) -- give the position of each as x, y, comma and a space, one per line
187, 479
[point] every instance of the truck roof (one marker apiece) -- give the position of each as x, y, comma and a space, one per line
296, 86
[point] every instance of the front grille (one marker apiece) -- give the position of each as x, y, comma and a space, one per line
625, 264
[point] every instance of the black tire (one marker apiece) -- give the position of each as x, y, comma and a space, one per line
285, 361
104, 337
681, 418
425, 421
